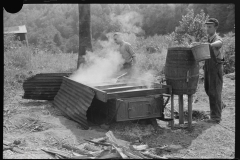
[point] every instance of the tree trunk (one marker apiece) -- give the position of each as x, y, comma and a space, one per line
84, 31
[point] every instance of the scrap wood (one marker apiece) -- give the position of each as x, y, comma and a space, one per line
91, 147
123, 147
102, 139
136, 152
110, 156
54, 151
106, 154
79, 156
6, 142
131, 155
120, 151
126, 152
97, 153
75, 149
8, 145
58, 156
104, 144
119, 142
140, 147
165, 147
82, 157
147, 153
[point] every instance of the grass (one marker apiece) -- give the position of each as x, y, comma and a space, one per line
21, 63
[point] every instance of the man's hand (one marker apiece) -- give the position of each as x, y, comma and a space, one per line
194, 44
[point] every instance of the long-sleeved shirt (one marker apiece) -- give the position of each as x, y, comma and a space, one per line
216, 50
127, 52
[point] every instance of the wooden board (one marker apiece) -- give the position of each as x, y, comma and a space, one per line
124, 90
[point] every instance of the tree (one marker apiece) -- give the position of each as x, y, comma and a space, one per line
191, 27
85, 37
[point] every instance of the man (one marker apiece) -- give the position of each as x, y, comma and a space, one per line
213, 72
126, 51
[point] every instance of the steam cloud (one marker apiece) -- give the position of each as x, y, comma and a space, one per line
103, 65
100, 65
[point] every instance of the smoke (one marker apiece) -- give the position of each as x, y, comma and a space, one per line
104, 64
100, 65
141, 78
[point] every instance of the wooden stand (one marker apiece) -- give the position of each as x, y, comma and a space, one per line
181, 110
181, 114
172, 109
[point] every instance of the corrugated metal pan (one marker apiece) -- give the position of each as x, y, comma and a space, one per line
74, 100
43, 86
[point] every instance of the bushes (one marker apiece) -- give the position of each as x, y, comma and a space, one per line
191, 27
228, 50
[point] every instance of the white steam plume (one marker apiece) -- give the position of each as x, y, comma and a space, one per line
100, 66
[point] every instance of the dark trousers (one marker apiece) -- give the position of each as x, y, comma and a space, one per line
213, 83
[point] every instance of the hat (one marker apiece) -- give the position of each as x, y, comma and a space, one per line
212, 21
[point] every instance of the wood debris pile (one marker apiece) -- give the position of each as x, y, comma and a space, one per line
108, 147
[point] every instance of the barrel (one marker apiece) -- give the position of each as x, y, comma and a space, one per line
181, 70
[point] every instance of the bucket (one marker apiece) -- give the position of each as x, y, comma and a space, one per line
201, 52
181, 71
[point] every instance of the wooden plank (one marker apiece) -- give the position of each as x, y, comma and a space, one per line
181, 117
54, 151
190, 100
102, 86
136, 93
123, 88
172, 110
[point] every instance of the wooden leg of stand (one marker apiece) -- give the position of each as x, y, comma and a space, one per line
181, 117
172, 110
190, 98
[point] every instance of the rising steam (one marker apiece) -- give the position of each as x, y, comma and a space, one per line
100, 65
104, 64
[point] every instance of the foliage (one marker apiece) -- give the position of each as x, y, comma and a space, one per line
44, 21
228, 49
192, 28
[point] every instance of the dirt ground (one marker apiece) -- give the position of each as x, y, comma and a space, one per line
38, 124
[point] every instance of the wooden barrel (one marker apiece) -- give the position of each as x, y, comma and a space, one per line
181, 71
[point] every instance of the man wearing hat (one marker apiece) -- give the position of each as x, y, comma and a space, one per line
213, 72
